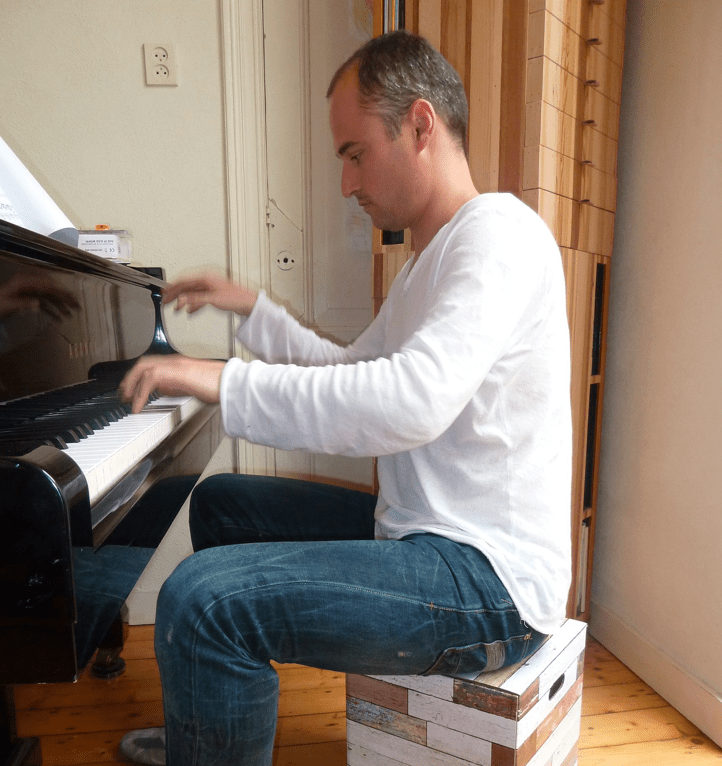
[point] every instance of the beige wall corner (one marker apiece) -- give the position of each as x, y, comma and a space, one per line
658, 570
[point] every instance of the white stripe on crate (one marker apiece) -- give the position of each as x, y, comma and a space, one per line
459, 744
360, 756
477, 723
437, 686
399, 750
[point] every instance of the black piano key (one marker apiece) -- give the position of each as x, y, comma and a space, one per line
97, 422
68, 435
61, 417
21, 447
67, 420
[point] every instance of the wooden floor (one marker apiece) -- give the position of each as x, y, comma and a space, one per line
624, 722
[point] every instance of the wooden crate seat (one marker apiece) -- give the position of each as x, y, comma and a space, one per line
524, 715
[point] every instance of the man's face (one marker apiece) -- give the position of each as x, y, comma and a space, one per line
377, 170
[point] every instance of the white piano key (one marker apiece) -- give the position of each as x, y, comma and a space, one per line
106, 455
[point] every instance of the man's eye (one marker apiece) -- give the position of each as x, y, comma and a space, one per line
356, 158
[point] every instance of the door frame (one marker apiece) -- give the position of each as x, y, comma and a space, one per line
246, 181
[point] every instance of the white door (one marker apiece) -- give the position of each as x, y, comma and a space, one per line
319, 244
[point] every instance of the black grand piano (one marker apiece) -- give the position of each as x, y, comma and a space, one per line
77, 470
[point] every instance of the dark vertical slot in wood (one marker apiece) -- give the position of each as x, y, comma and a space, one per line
598, 319
591, 445
392, 237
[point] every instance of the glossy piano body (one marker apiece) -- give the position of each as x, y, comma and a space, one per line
69, 321
64, 312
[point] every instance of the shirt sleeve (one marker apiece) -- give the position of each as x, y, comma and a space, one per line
275, 337
359, 404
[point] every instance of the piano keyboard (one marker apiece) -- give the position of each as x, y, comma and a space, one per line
106, 455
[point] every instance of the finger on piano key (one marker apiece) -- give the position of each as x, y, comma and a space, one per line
108, 454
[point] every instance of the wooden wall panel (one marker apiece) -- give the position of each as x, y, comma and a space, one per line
549, 37
429, 20
454, 25
554, 129
616, 9
512, 109
601, 113
604, 73
395, 258
574, 225
571, 13
596, 230
546, 169
600, 151
561, 214
548, 82
574, 78
607, 34
598, 188
486, 30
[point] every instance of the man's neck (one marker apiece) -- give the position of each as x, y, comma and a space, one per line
438, 214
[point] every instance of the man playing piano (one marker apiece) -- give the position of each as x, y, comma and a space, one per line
460, 387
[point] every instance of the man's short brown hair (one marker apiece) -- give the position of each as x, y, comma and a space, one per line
396, 69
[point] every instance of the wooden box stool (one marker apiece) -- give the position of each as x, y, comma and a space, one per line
524, 715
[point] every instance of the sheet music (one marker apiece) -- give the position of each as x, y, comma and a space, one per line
7, 209
24, 202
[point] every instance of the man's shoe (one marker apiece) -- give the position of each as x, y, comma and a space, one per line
146, 746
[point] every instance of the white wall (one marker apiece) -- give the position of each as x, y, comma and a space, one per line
657, 590
75, 108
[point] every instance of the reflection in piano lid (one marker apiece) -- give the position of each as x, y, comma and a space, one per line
77, 470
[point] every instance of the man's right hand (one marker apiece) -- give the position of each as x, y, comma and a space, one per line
209, 289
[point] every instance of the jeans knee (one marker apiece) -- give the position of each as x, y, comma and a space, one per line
180, 601
203, 502
202, 493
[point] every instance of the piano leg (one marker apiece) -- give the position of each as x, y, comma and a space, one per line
15, 751
108, 663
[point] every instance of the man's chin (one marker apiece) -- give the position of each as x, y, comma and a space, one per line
382, 223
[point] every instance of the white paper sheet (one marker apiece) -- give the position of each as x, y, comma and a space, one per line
24, 201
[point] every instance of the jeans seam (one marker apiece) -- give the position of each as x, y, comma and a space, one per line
429, 604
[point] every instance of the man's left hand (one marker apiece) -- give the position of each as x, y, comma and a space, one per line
173, 375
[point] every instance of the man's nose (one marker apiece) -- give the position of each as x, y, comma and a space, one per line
349, 179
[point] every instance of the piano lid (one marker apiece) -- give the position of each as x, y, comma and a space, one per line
64, 311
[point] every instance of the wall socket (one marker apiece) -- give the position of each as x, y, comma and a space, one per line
160, 64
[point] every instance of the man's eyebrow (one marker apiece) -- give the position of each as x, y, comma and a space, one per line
345, 147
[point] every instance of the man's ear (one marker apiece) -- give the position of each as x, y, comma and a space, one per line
423, 121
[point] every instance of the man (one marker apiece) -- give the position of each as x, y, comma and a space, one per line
460, 387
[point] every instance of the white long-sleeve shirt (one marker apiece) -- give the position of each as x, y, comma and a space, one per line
460, 386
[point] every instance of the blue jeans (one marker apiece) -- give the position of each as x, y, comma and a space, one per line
289, 571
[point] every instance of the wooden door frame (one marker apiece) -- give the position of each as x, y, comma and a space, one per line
246, 180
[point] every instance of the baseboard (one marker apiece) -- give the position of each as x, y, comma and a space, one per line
688, 694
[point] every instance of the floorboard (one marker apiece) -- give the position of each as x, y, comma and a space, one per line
624, 722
